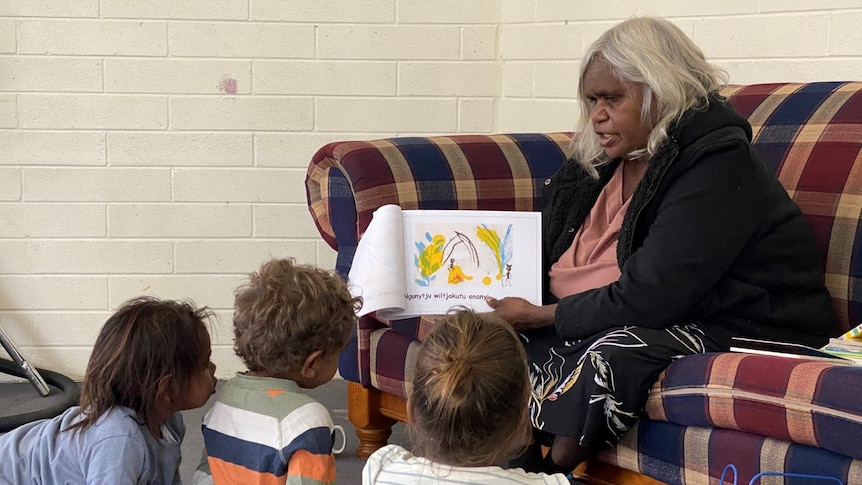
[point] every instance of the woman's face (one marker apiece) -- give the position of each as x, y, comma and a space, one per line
615, 110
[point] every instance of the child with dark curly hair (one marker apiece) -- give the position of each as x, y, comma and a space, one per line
290, 323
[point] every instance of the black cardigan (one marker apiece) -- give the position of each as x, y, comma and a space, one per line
710, 236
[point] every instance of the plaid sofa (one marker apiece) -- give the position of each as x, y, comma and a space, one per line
760, 413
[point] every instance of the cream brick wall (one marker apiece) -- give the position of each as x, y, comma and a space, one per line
160, 146
755, 41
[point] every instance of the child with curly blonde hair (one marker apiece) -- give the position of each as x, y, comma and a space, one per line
467, 409
290, 323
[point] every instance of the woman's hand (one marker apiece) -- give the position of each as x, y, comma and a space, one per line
521, 314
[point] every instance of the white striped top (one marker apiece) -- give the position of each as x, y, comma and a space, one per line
393, 465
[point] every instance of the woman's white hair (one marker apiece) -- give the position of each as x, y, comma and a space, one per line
673, 71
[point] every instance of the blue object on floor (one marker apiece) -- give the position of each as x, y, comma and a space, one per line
755, 478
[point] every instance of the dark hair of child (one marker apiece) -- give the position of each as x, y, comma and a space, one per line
144, 341
286, 312
470, 392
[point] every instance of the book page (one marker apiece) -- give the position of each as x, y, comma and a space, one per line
377, 273
457, 258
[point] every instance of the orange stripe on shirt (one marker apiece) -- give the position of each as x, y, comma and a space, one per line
275, 392
309, 465
225, 473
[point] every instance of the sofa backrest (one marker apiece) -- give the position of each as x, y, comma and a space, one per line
810, 134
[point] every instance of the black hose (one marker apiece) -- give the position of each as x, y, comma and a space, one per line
64, 391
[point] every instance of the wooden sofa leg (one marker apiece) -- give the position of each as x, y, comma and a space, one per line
363, 409
595, 472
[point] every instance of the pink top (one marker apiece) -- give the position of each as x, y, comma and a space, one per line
591, 261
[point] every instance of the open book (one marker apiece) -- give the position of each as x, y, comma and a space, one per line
418, 262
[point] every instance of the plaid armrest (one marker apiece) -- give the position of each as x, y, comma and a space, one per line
801, 401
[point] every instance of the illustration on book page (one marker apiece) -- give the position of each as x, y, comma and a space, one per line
474, 255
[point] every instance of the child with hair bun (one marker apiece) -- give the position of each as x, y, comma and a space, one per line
467, 409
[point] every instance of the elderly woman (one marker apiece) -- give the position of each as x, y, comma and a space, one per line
664, 235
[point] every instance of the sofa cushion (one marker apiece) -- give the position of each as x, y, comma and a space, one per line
678, 455
803, 401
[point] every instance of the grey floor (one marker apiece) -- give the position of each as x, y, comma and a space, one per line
333, 395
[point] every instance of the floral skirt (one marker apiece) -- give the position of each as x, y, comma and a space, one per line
596, 388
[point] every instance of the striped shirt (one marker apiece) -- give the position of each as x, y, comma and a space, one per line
266, 431
393, 465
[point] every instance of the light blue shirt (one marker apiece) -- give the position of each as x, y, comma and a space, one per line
116, 449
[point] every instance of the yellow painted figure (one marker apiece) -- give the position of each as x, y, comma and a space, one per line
456, 275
